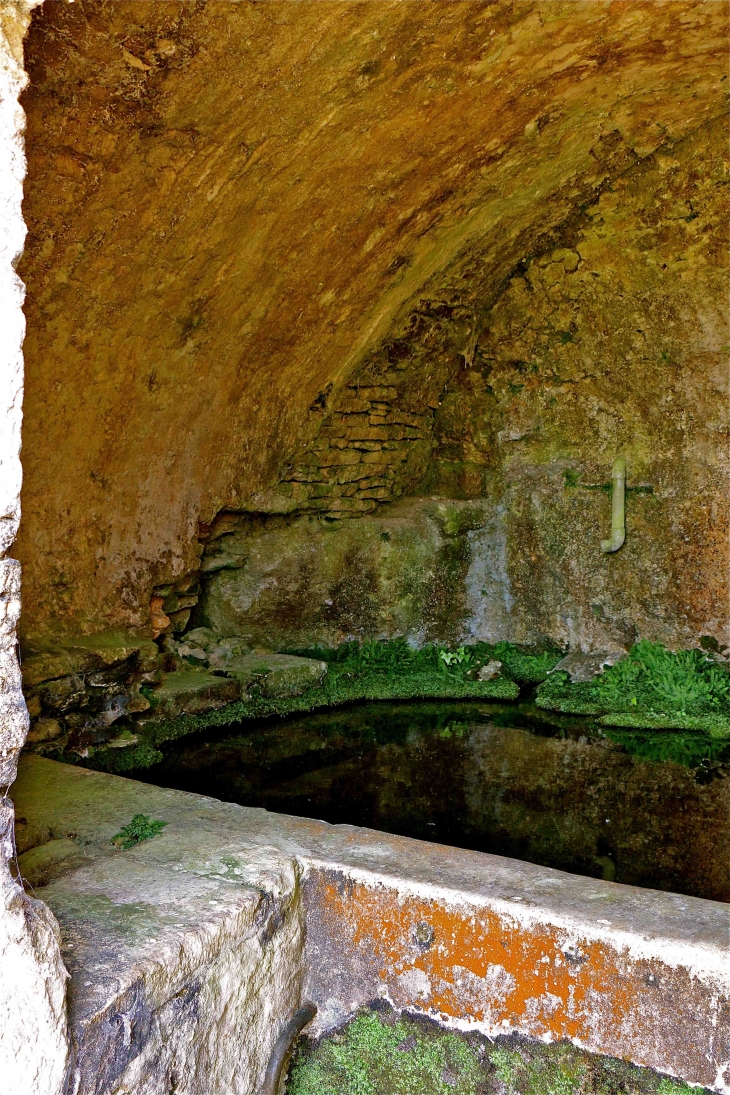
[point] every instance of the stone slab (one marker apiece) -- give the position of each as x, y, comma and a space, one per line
473, 940
185, 957
191, 692
277, 675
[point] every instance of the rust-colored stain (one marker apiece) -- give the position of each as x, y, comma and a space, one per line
458, 958
530, 976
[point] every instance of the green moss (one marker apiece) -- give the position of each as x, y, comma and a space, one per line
386, 1054
652, 688
521, 664
714, 726
140, 828
558, 1071
373, 1057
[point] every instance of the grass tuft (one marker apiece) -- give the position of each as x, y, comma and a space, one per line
140, 828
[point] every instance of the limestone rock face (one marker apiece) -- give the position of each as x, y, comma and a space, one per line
409, 569
231, 205
33, 1026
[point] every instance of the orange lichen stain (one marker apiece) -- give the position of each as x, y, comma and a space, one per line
534, 977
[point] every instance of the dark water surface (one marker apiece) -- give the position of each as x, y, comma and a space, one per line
501, 778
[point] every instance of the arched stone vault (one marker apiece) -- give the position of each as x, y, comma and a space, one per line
231, 204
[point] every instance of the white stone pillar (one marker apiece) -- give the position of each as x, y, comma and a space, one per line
33, 1028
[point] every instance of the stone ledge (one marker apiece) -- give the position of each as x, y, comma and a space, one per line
474, 940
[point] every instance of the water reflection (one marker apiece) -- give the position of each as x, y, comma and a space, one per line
648, 810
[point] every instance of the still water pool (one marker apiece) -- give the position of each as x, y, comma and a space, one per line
501, 778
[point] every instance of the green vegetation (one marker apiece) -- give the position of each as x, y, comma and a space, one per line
381, 1053
373, 1056
652, 688
556, 1072
650, 691
140, 828
396, 659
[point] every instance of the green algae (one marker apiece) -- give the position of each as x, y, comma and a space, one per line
381, 1053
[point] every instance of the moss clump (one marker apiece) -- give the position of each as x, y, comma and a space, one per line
652, 688
521, 664
374, 1057
558, 1071
140, 828
381, 1053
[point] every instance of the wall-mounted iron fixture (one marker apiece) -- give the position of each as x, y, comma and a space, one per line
618, 507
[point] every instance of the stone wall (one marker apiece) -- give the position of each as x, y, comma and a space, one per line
33, 1028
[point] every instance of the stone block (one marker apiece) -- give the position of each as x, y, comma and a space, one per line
351, 505
340, 458
379, 493
44, 730
369, 433
87, 654
191, 692
185, 952
277, 675
367, 446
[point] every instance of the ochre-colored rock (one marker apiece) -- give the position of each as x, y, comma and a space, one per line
232, 206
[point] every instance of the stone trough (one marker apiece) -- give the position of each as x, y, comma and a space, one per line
189, 952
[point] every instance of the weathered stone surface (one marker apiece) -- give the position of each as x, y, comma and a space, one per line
403, 571
190, 692
582, 667
185, 953
453, 131
33, 1023
14, 719
33, 1045
591, 350
480, 941
81, 687
44, 862
277, 674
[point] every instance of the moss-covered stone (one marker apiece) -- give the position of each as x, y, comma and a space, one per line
191, 692
276, 675
381, 1053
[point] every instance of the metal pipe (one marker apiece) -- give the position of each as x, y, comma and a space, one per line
618, 507
283, 1047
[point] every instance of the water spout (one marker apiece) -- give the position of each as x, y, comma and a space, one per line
618, 509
